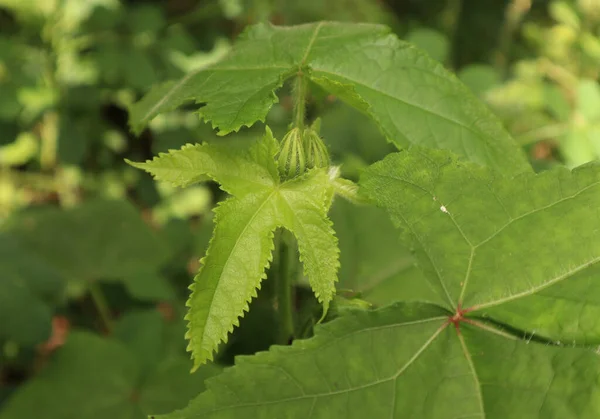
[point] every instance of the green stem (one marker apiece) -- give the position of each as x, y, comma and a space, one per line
49, 140
451, 16
514, 14
205, 11
552, 131
101, 305
299, 94
284, 289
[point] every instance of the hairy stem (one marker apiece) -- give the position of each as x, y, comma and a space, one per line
102, 306
299, 94
284, 287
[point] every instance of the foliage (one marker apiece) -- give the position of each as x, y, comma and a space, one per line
241, 247
95, 374
560, 107
380, 245
329, 54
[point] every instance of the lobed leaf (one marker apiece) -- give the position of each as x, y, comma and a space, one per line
404, 361
304, 205
242, 243
238, 170
241, 250
413, 99
233, 268
95, 378
374, 263
522, 251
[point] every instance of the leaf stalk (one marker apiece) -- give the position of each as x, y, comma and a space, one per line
102, 306
284, 288
299, 95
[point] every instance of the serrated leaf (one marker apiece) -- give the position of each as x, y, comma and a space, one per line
242, 243
405, 361
241, 249
523, 251
413, 99
304, 207
234, 266
95, 378
239, 170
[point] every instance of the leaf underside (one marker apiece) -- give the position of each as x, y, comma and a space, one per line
512, 262
412, 98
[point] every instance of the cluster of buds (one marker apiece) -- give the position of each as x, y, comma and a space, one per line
301, 150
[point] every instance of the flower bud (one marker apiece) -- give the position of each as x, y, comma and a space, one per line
315, 150
291, 158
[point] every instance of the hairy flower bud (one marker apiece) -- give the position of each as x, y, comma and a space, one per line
292, 161
315, 150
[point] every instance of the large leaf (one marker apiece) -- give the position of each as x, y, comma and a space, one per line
513, 264
242, 243
25, 281
405, 361
95, 378
97, 240
413, 99
523, 251
374, 264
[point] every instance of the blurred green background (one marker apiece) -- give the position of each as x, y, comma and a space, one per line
94, 253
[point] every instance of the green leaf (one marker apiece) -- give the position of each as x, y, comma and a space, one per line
479, 78
588, 99
304, 206
374, 263
25, 281
96, 240
522, 251
82, 377
233, 268
434, 43
241, 249
149, 286
242, 243
413, 99
237, 169
95, 378
404, 361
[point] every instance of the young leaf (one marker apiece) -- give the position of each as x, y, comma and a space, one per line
404, 361
241, 250
413, 99
233, 268
242, 243
238, 170
523, 251
304, 205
